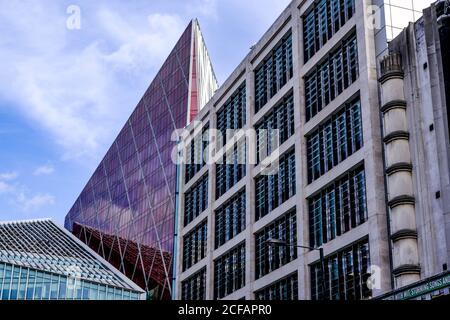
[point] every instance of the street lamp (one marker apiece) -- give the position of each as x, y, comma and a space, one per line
281, 243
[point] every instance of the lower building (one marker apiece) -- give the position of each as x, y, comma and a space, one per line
432, 288
415, 118
41, 261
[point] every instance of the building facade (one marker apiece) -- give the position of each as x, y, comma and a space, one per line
415, 95
126, 212
312, 80
41, 261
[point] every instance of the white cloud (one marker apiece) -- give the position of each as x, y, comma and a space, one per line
5, 178
4, 187
8, 176
205, 8
44, 170
20, 196
33, 203
140, 48
79, 86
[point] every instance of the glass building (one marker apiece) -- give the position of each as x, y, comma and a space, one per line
126, 212
41, 261
395, 15
398, 14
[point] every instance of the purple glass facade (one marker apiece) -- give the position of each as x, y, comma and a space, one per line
126, 211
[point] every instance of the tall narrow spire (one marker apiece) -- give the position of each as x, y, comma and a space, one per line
203, 83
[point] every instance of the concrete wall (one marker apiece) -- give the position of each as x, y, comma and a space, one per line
426, 114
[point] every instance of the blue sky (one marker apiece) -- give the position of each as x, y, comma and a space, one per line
65, 94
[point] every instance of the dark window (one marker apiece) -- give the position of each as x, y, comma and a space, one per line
331, 77
346, 275
194, 288
274, 72
194, 245
280, 118
335, 140
196, 154
196, 200
230, 219
233, 166
269, 258
323, 21
229, 272
232, 115
338, 208
284, 289
232, 169
274, 190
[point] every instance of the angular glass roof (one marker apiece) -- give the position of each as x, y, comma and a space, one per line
42, 245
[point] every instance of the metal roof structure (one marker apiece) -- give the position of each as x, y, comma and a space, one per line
44, 246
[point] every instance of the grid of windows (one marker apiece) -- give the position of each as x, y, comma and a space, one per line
275, 71
323, 21
229, 272
399, 13
331, 77
280, 118
346, 275
194, 288
338, 208
231, 117
273, 190
284, 289
22, 283
196, 154
335, 140
196, 200
232, 169
230, 219
269, 258
194, 245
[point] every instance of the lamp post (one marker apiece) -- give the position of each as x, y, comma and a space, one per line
280, 243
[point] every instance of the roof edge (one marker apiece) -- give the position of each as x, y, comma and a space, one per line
25, 221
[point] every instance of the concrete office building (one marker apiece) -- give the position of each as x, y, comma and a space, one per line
126, 212
42, 261
346, 182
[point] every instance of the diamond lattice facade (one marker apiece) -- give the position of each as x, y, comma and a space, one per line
126, 212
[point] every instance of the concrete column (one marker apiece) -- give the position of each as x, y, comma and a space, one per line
403, 228
250, 190
211, 231
304, 281
373, 148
